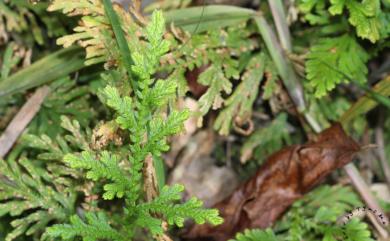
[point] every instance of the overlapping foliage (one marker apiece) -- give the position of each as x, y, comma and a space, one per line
90, 184
337, 53
140, 113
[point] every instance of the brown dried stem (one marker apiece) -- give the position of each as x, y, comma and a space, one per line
21, 120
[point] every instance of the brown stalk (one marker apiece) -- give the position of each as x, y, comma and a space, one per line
21, 120
381, 149
151, 191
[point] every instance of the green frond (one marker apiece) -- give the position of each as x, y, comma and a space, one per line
356, 230
77, 139
32, 203
105, 166
363, 15
146, 59
265, 140
162, 91
177, 213
239, 104
318, 212
256, 235
217, 83
141, 114
123, 106
96, 227
330, 58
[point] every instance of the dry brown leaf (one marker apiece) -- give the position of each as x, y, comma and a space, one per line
150, 179
285, 177
22, 119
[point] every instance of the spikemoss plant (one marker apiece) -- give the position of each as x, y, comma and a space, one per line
141, 114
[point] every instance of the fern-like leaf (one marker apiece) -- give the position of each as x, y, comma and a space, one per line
331, 59
364, 15
176, 213
239, 104
31, 203
256, 235
95, 228
106, 167
217, 83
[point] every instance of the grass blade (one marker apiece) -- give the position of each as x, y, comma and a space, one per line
366, 103
213, 17
285, 69
120, 39
45, 70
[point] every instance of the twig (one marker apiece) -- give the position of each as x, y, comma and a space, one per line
367, 196
150, 179
21, 120
152, 191
381, 150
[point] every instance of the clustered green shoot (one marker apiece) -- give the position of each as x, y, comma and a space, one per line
141, 114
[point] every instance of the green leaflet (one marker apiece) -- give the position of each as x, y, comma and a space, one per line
239, 104
95, 228
355, 230
330, 54
367, 16
256, 235
265, 140
31, 203
107, 166
9, 61
314, 217
363, 15
217, 83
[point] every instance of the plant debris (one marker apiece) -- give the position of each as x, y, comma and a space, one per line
285, 177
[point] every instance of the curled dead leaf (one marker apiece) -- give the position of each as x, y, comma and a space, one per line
285, 177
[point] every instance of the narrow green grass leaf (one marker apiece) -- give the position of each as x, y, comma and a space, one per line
120, 38
199, 19
45, 70
365, 103
286, 71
